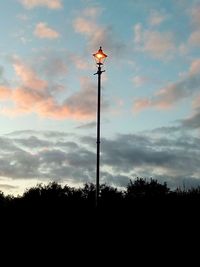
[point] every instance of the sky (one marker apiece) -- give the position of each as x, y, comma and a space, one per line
150, 123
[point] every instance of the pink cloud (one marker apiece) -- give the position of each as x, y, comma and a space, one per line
34, 96
51, 4
28, 77
43, 31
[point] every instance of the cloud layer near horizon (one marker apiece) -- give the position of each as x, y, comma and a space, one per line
68, 159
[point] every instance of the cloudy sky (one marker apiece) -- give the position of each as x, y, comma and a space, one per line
150, 91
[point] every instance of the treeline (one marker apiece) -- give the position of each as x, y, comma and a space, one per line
140, 192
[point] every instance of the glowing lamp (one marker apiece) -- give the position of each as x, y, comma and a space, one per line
100, 56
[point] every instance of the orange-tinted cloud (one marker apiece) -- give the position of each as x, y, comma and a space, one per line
51, 4
33, 95
5, 93
141, 104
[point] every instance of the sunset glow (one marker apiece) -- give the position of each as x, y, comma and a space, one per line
150, 104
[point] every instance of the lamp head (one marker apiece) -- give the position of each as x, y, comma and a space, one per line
99, 56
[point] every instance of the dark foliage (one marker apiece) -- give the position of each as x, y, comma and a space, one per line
54, 199
145, 212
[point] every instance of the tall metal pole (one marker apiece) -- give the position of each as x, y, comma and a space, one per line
99, 72
99, 58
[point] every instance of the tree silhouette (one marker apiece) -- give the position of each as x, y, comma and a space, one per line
142, 188
140, 196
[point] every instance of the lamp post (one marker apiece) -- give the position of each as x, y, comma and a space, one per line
99, 57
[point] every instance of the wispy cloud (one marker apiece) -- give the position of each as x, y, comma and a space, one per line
42, 30
87, 125
173, 93
193, 121
97, 34
195, 67
139, 80
194, 13
157, 44
83, 103
92, 12
194, 38
51, 4
156, 18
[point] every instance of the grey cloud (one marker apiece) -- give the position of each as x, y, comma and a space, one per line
115, 180
19, 165
83, 158
85, 100
179, 90
54, 134
7, 144
67, 145
87, 125
33, 142
22, 132
167, 129
3, 80
144, 155
129, 153
171, 94
54, 66
1, 74
171, 158
52, 156
193, 122
74, 175
109, 42
46, 134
